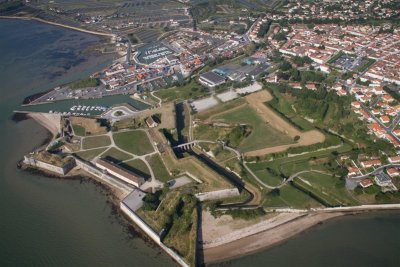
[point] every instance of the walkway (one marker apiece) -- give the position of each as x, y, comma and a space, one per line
153, 182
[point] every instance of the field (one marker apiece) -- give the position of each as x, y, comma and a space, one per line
191, 90
271, 133
290, 197
86, 126
96, 141
135, 142
79, 130
147, 35
116, 155
327, 188
91, 154
160, 172
257, 102
262, 135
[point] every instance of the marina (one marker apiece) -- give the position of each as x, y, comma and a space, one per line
85, 107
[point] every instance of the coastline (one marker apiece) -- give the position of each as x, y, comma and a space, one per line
115, 195
49, 121
60, 25
265, 239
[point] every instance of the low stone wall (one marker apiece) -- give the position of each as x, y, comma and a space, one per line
219, 194
142, 224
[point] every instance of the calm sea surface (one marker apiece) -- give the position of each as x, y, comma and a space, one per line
50, 222
44, 221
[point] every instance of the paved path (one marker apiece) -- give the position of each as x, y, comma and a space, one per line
153, 182
376, 171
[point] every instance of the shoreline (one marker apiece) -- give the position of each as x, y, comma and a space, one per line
268, 238
60, 25
265, 239
113, 198
48, 121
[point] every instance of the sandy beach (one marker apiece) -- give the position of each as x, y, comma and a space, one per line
261, 235
50, 121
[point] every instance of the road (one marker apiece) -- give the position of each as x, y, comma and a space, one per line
376, 171
240, 158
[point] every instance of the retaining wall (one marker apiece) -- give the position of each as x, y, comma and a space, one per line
152, 234
219, 194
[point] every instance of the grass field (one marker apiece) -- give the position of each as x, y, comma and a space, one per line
209, 113
79, 130
97, 141
137, 166
191, 90
159, 218
211, 180
282, 104
116, 155
262, 135
208, 132
326, 187
160, 172
90, 154
290, 197
135, 142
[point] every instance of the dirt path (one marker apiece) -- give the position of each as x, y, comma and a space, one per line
256, 101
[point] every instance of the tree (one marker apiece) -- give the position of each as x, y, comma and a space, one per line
250, 49
285, 66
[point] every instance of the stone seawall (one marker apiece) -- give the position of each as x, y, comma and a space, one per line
152, 234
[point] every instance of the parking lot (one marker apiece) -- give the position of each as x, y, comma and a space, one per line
205, 103
150, 53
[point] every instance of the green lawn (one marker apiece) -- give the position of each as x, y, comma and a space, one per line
220, 108
116, 155
269, 177
263, 135
282, 105
137, 166
291, 197
90, 154
191, 90
327, 187
135, 142
158, 167
97, 141
209, 132
79, 130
